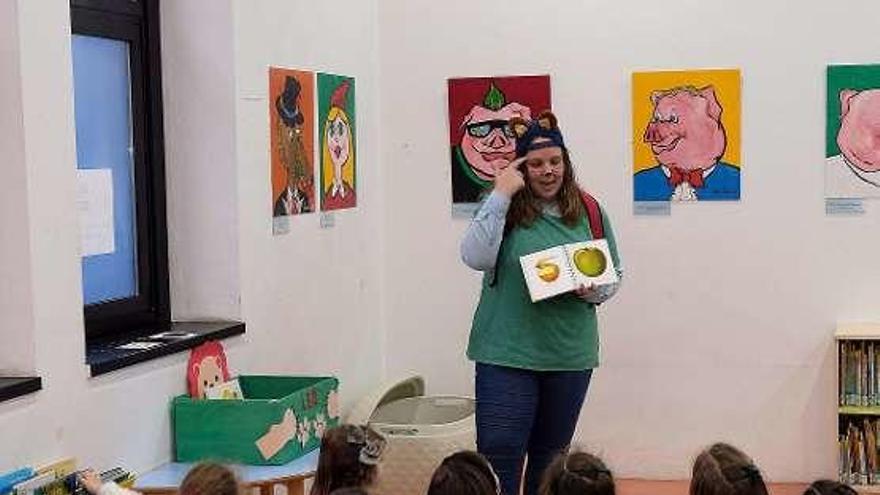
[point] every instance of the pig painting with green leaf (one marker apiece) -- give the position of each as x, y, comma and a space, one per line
480, 142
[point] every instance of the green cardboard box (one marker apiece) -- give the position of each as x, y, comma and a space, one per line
280, 419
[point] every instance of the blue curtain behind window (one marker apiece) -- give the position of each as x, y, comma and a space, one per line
102, 104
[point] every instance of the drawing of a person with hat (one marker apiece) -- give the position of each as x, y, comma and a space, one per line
298, 196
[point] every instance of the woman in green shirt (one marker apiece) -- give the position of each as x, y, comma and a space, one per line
533, 360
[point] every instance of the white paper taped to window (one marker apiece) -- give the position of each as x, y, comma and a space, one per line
94, 202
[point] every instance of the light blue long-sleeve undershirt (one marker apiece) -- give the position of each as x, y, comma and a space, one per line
482, 240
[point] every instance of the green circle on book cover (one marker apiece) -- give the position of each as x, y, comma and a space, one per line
590, 261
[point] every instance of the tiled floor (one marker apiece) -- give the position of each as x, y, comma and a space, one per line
647, 487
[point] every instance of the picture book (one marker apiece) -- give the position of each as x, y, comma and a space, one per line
564, 268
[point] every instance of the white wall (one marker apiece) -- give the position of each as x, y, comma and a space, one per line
723, 326
200, 159
16, 317
302, 317
312, 297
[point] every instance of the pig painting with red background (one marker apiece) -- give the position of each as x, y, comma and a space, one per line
479, 139
688, 139
852, 163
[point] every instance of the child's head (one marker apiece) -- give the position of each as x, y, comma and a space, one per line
349, 458
725, 470
577, 473
464, 473
829, 487
209, 478
350, 490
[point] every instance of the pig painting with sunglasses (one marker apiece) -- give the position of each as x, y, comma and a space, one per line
480, 140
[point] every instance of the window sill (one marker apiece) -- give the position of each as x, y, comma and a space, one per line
13, 387
104, 356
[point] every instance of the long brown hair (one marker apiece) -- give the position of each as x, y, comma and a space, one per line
578, 473
525, 207
339, 463
210, 478
725, 470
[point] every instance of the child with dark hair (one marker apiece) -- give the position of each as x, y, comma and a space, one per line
829, 487
723, 469
464, 473
349, 458
577, 473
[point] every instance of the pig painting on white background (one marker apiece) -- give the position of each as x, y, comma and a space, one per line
852, 156
684, 138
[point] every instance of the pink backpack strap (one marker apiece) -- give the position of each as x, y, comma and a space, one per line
594, 220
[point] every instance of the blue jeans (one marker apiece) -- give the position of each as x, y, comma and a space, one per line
523, 412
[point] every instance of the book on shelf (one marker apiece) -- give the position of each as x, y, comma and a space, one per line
841, 373
859, 380
871, 399
860, 391
857, 452
870, 447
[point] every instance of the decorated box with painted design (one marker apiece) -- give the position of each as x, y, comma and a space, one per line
280, 419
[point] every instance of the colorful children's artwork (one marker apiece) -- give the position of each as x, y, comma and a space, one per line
206, 369
336, 113
852, 132
479, 140
292, 134
686, 135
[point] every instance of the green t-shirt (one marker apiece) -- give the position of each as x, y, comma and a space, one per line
555, 334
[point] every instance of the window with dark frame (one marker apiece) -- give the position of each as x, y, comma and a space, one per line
118, 113
117, 85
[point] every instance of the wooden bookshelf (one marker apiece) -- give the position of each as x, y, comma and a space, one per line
858, 331
859, 410
867, 489
857, 387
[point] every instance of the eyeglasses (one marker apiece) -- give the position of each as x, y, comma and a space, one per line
371, 442
336, 128
482, 129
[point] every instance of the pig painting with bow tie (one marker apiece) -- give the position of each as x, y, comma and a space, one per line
687, 139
